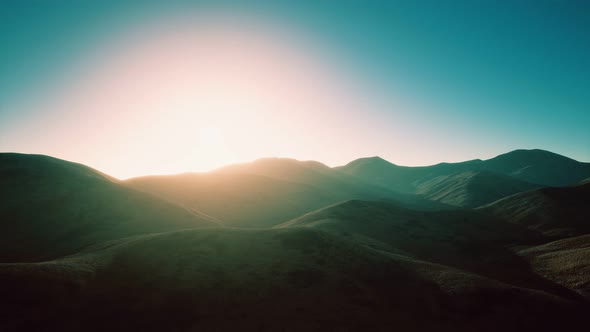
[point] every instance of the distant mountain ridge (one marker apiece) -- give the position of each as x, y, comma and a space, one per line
506, 174
267, 191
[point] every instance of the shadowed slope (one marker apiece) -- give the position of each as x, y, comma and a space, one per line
557, 212
539, 166
50, 207
463, 239
281, 279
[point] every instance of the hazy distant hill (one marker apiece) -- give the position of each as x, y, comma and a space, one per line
244, 200
282, 279
474, 182
50, 207
557, 212
266, 192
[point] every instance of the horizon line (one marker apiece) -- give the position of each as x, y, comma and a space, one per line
285, 158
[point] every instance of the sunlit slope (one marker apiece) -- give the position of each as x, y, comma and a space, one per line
557, 212
473, 182
266, 192
281, 279
50, 207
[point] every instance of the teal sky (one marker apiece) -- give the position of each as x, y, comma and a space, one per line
476, 78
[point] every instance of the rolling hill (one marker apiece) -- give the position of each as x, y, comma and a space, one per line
463, 239
566, 262
557, 212
51, 207
282, 279
471, 188
540, 167
266, 192
317, 249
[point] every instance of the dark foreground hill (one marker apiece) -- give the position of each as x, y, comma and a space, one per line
51, 207
263, 280
463, 239
566, 262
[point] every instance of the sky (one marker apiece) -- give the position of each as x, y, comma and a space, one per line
157, 87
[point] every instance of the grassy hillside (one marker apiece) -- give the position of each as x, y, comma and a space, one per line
557, 212
463, 239
566, 262
51, 207
471, 188
281, 279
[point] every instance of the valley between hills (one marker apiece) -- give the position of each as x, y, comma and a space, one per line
286, 245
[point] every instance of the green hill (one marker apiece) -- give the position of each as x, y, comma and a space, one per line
557, 212
51, 207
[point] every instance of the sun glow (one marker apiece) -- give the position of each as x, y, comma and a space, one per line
210, 137
191, 95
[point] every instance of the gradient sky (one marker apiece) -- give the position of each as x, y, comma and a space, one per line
144, 87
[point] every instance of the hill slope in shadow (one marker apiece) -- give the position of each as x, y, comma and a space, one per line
281, 279
557, 212
51, 207
463, 239
540, 167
